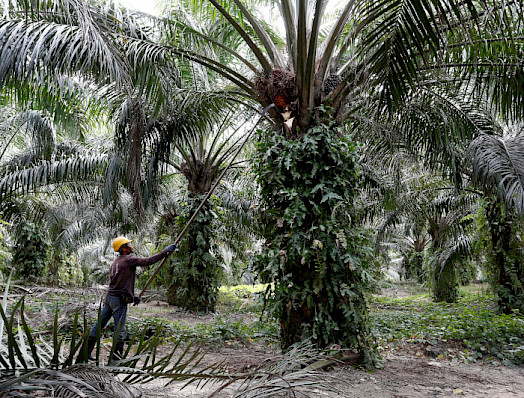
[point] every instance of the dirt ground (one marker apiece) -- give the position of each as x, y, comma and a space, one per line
402, 376
405, 373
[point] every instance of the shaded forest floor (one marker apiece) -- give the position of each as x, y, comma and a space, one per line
427, 349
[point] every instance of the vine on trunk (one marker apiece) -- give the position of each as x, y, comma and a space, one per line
30, 250
196, 267
315, 259
505, 255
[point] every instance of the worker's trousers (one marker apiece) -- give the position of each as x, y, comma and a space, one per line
116, 308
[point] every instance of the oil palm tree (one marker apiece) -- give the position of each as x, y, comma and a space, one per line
498, 168
53, 176
46, 44
201, 159
359, 54
441, 216
364, 62
499, 162
43, 149
82, 60
493, 160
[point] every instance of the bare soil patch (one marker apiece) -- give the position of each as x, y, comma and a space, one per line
408, 376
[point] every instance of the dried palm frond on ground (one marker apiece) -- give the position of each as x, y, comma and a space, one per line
296, 373
77, 381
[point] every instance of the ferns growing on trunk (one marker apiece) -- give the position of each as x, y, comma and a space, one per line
196, 271
313, 255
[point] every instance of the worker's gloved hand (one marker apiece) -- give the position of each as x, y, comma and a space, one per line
170, 248
137, 300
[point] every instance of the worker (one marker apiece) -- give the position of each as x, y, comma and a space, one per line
122, 291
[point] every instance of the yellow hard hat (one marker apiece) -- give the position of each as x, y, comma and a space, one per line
119, 242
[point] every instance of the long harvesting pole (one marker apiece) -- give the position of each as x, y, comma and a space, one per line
210, 192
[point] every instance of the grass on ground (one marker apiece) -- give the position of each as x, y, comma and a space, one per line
468, 330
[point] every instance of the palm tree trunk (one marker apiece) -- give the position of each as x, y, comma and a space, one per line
134, 162
294, 323
507, 257
307, 185
196, 272
445, 285
445, 282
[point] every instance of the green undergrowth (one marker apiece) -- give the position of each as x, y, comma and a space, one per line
221, 331
237, 321
241, 298
468, 330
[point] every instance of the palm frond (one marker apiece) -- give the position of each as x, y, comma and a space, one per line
459, 250
474, 55
266, 66
289, 16
332, 40
51, 172
32, 44
294, 374
30, 364
198, 35
263, 36
68, 101
310, 66
391, 220
435, 126
499, 162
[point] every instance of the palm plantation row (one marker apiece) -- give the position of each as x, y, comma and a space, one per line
395, 126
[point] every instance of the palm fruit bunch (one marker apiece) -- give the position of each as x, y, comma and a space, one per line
280, 88
331, 83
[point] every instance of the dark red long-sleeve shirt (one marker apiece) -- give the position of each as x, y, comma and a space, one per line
123, 271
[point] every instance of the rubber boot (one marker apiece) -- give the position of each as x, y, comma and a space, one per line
91, 342
119, 350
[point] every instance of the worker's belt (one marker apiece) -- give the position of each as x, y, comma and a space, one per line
126, 298
123, 297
